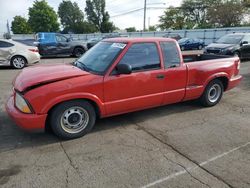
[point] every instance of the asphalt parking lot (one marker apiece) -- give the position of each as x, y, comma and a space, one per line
181, 145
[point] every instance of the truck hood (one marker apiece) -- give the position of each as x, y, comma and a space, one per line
43, 74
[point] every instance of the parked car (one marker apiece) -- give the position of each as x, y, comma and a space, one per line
237, 44
191, 44
116, 76
54, 44
17, 55
172, 36
93, 41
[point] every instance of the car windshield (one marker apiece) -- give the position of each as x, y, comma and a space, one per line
100, 57
182, 40
230, 39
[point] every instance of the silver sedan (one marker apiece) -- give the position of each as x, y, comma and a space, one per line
17, 55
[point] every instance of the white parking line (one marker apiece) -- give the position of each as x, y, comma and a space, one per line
193, 168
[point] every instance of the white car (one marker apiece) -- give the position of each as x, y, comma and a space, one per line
17, 55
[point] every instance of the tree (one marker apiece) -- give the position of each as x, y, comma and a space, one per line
196, 11
226, 14
42, 17
152, 28
96, 15
72, 18
20, 26
173, 18
131, 29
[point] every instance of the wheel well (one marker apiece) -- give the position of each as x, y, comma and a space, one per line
18, 56
79, 47
97, 111
224, 81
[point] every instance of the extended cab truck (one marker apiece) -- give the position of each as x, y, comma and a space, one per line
55, 44
116, 76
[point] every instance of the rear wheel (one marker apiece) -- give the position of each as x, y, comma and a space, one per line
78, 52
72, 119
18, 62
212, 94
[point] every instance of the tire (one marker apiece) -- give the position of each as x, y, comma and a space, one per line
72, 119
78, 52
18, 62
212, 94
199, 47
182, 48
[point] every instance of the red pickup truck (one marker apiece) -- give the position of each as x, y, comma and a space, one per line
116, 76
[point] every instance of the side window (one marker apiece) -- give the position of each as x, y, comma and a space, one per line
4, 44
142, 56
170, 54
61, 38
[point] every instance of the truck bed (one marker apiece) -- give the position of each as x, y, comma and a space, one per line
199, 56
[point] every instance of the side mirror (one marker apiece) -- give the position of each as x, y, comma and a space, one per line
243, 43
124, 69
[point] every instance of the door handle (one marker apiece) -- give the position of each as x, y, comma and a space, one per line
160, 76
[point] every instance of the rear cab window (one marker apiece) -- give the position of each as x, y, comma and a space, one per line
171, 56
142, 57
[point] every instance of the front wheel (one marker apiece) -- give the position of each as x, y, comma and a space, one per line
212, 94
72, 119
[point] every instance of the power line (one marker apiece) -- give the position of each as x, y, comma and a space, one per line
136, 10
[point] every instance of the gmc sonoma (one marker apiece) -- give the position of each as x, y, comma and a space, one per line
116, 76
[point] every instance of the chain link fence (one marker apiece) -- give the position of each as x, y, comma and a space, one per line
207, 35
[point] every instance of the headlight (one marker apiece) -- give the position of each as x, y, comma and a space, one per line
21, 104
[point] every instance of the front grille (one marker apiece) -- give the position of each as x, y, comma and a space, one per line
213, 51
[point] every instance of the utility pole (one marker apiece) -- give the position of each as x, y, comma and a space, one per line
144, 19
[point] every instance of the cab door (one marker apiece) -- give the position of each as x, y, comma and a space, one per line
63, 46
175, 73
143, 88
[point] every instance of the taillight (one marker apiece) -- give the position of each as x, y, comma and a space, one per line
34, 50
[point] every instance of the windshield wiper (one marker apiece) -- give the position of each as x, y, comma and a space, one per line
81, 65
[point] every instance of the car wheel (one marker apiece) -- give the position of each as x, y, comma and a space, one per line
212, 94
18, 62
182, 48
72, 119
199, 47
78, 52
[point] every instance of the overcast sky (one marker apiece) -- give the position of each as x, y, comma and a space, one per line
11, 8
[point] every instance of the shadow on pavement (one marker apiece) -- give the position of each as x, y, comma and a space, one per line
12, 137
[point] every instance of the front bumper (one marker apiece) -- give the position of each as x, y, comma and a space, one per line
28, 122
234, 81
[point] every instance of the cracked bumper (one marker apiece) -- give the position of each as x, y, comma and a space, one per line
28, 122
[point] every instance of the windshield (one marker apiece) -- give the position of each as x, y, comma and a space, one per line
230, 39
100, 57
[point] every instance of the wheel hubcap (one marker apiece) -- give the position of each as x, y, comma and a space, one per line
19, 62
214, 93
74, 120
79, 52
